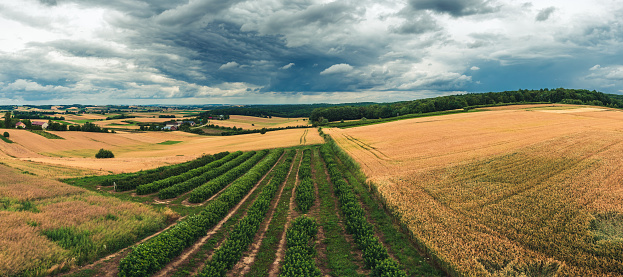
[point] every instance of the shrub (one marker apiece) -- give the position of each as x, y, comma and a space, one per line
104, 154
6, 134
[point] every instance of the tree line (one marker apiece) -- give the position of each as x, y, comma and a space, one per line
465, 101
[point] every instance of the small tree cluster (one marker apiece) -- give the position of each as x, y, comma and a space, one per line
104, 154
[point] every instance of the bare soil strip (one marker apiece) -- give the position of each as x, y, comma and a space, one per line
192, 250
274, 269
243, 267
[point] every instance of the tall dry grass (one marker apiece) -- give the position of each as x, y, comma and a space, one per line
89, 225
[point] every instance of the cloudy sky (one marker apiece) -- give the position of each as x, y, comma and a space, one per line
301, 51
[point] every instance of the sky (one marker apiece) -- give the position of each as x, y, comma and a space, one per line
302, 51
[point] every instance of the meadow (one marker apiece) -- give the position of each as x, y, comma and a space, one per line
511, 191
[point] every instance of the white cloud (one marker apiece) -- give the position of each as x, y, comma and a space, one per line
229, 65
595, 67
474, 68
287, 66
337, 68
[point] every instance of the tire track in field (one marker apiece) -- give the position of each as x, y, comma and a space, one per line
167, 270
247, 261
367, 147
303, 139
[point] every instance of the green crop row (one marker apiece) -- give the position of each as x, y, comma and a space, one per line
374, 253
305, 194
300, 251
243, 233
210, 188
152, 255
195, 182
188, 175
132, 181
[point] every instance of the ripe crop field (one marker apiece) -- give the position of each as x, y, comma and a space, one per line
252, 122
523, 191
137, 151
242, 215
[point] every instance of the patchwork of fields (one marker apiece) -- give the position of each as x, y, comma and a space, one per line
137, 151
534, 191
282, 212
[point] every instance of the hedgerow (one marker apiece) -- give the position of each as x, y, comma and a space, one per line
210, 188
305, 194
243, 233
374, 253
189, 175
299, 258
152, 255
131, 182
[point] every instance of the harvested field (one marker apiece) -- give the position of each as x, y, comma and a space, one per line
515, 190
248, 122
138, 151
32, 207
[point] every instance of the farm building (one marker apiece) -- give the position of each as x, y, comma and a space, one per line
173, 126
43, 124
20, 125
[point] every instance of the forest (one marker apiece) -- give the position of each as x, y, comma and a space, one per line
466, 101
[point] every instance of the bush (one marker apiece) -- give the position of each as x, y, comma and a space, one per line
6, 134
104, 154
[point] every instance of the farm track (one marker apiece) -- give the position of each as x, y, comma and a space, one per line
377, 153
274, 269
193, 249
243, 266
303, 139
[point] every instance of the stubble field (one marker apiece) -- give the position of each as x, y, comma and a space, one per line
528, 190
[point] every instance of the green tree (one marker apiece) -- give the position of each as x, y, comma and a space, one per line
7, 120
6, 134
104, 154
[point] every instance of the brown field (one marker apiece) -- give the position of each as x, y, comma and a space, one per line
247, 122
31, 205
506, 192
133, 151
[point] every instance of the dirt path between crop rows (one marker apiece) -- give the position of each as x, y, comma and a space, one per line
243, 266
314, 212
193, 249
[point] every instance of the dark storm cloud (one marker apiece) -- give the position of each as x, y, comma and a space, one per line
216, 49
455, 8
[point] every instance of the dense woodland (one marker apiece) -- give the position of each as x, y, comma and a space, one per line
466, 101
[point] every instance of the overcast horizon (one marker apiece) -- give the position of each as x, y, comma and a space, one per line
301, 51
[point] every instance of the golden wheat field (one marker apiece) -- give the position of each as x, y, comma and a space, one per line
34, 209
251, 122
527, 191
133, 151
